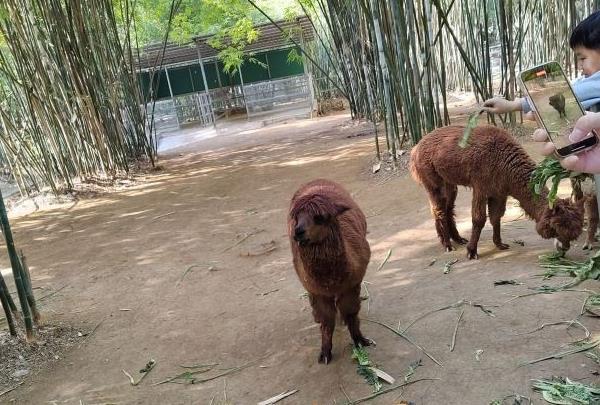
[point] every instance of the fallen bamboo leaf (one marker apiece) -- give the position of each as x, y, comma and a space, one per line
456, 330
570, 323
383, 375
277, 398
145, 371
448, 265
561, 390
506, 282
90, 333
187, 271
432, 262
385, 391
412, 367
457, 304
387, 256
486, 311
407, 338
246, 236
267, 292
188, 374
53, 293
560, 355
364, 368
199, 365
478, 354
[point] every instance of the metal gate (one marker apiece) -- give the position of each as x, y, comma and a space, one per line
193, 109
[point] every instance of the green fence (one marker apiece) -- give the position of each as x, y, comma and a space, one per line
188, 79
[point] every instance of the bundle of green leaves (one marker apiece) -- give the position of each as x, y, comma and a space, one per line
550, 169
365, 368
567, 392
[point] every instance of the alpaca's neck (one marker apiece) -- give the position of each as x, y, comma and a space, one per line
530, 203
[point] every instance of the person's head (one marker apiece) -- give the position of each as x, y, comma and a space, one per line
585, 42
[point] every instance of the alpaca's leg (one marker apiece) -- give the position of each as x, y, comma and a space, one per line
437, 201
497, 208
324, 313
451, 190
478, 216
591, 208
349, 306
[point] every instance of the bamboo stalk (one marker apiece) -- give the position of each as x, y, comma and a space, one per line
16, 269
29, 290
4, 296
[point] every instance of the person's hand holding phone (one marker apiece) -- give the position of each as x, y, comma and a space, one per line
585, 162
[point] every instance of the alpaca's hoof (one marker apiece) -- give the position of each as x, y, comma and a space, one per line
449, 248
502, 246
325, 357
588, 245
364, 342
472, 254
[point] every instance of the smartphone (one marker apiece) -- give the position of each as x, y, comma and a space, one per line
552, 98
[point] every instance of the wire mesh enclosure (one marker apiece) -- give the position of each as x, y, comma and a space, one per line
277, 96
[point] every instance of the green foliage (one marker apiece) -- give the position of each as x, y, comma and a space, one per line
294, 56
551, 170
364, 367
557, 265
232, 22
567, 392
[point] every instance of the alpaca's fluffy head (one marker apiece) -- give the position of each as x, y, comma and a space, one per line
564, 221
313, 218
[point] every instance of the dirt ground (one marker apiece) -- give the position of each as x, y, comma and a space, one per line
192, 266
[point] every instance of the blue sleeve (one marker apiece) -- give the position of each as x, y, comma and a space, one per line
525, 107
587, 90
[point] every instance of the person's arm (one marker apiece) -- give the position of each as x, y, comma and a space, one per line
499, 105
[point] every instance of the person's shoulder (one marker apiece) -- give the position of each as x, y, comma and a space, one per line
588, 79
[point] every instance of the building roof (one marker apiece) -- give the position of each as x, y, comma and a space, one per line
181, 54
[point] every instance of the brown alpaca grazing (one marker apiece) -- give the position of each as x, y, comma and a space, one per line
327, 232
495, 166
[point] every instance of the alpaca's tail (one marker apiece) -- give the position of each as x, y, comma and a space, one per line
414, 164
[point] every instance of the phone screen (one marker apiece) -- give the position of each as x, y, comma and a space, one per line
554, 101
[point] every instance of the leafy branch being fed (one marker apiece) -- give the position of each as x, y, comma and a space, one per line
550, 169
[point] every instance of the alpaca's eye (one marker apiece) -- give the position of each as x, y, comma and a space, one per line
319, 219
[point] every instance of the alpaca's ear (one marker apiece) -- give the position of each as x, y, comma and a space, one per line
544, 228
340, 209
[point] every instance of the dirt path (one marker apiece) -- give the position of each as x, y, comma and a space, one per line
121, 259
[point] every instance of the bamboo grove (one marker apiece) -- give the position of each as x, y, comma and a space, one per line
69, 101
396, 59
70, 106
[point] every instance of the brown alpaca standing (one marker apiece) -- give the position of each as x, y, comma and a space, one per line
327, 233
495, 166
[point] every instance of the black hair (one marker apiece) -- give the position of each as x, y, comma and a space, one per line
587, 33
